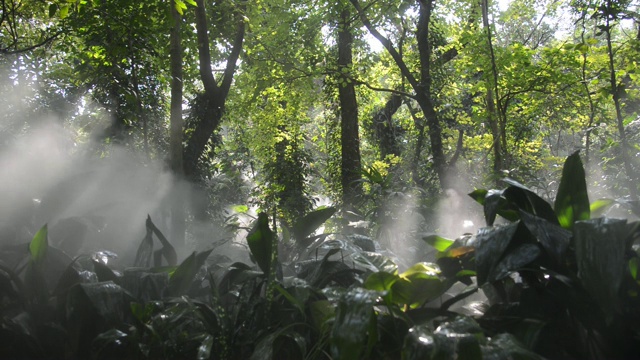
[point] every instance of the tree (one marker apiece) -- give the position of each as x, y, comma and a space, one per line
350, 137
211, 104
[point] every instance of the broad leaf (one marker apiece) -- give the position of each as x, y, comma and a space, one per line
260, 241
572, 201
598, 207
309, 223
514, 260
419, 284
354, 324
145, 251
524, 199
490, 246
553, 238
438, 242
181, 280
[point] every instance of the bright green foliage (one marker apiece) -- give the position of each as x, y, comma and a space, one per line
39, 245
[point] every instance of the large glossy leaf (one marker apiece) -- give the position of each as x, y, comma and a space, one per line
145, 285
260, 241
572, 201
523, 198
182, 279
381, 281
553, 238
514, 260
494, 203
285, 343
354, 325
458, 339
600, 255
490, 246
309, 223
419, 284
39, 246
505, 346
372, 261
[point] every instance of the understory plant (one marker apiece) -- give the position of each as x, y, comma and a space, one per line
558, 284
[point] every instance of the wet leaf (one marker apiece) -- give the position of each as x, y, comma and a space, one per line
375, 262
572, 201
271, 348
514, 260
524, 199
505, 346
553, 238
490, 246
354, 324
380, 281
419, 284
321, 311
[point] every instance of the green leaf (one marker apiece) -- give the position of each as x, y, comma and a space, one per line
380, 281
553, 238
181, 279
39, 245
438, 242
191, 2
309, 223
419, 284
572, 201
490, 245
64, 11
598, 207
260, 241
355, 321
52, 9
633, 267
479, 195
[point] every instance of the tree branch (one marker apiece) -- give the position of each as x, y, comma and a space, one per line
32, 47
202, 30
235, 53
387, 45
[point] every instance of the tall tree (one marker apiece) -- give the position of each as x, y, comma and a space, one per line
350, 137
421, 85
214, 96
176, 123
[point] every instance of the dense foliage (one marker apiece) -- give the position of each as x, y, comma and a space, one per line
344, 132
559, 284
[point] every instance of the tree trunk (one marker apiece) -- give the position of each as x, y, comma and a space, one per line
176, 127
624, 146
384, 128
423, 92
350, 138
496, 125
215, 95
